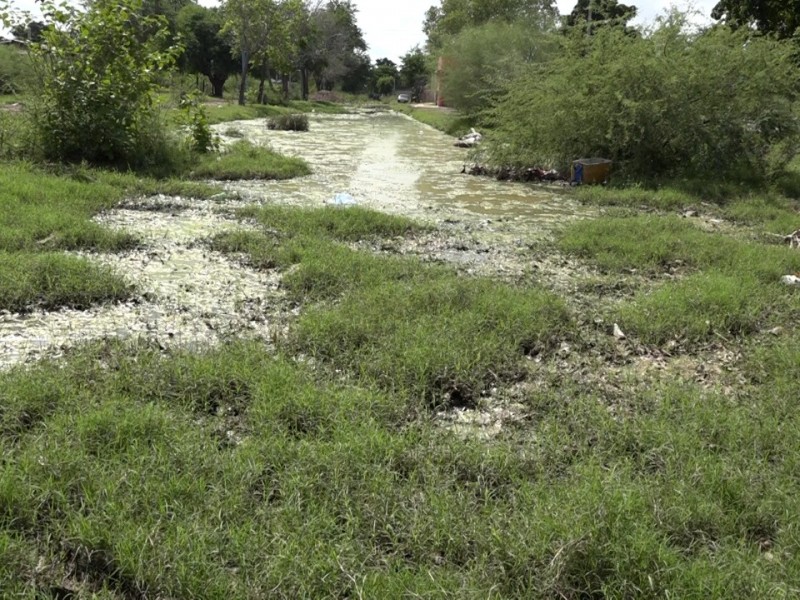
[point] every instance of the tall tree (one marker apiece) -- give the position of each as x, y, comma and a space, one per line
452, 16
592, 14
338, 42
248, 22
414, 71
206, 50
30, 31
781, 17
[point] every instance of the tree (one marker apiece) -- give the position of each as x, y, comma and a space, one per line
338, 42
414, 71
248, 23
97, 105
169, 9
593, 14
481, 60
29, 32
384, 76
284, 51
781, 17
206, 51
455, 15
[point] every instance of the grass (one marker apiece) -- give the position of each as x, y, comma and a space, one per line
49, 281
730, 287
323, 470
132, 473
243, 160
346, 224
222, 113
45, 210
447, 121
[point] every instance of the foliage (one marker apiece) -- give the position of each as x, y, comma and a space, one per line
454, 16
767, 16
717, 103
338, 42
206, 51
97, 105
195, 117
293, 122
248, 24
414, 71
480, 61
589, 15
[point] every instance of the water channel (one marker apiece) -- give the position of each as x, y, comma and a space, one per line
190, 296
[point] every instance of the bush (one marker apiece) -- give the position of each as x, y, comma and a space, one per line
717, 104
289, 123
98, 74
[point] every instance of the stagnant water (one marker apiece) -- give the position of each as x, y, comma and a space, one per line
190, 296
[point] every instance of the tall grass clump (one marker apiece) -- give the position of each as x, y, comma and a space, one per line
289, 123
675, 102
243, 160
49, 281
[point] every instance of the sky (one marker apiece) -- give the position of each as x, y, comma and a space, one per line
392, 28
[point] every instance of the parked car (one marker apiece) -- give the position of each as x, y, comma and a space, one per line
404, 98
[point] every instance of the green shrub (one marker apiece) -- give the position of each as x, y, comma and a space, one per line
716, 104
289, 123
98, 75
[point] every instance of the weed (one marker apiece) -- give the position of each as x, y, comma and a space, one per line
288, 123
243, 160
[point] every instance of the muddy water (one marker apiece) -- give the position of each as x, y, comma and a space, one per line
395, 164
189, 296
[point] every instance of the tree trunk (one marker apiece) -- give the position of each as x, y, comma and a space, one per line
285, 85
262, 78
243, 82
217, 84
304, 81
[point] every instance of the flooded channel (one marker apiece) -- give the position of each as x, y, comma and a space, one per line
192, 297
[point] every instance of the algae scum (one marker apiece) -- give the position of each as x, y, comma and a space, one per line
191, 296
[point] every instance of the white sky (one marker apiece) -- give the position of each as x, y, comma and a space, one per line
392, 28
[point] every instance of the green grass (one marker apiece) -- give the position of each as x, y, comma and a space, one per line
46, 210
221, 113
49, 281
447, 121
652, 244
729, 287
243, 160
703, 306
442, 341
234, 474
346, 224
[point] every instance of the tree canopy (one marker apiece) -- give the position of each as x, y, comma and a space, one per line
206, 50
452, 16
781, 17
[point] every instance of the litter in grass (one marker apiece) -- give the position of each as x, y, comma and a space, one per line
342, 199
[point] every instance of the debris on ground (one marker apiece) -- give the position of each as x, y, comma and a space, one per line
468, 141
515, 174
342, 199
793, 280
793, 239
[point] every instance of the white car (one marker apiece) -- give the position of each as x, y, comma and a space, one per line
403, 98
